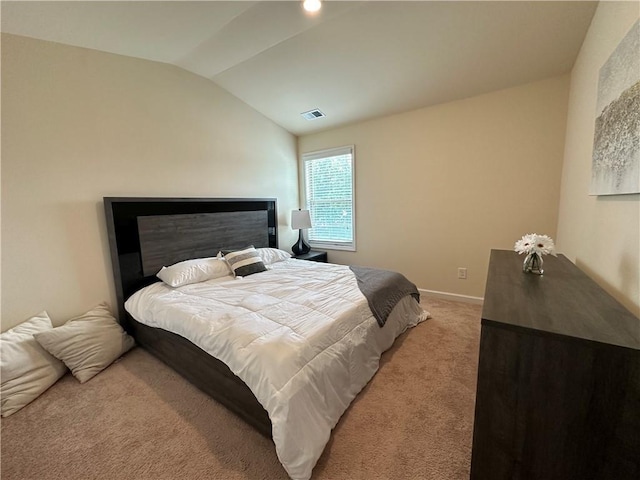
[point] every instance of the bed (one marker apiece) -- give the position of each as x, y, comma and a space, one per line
286, 349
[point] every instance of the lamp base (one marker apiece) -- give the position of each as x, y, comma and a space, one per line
301, 246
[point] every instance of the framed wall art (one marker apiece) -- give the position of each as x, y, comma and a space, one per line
616, 144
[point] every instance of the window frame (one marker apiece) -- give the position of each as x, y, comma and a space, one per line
325, 153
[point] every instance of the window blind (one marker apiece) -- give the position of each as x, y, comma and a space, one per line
329, 197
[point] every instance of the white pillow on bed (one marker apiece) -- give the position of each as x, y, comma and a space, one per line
194, 271
272, 255
26, 368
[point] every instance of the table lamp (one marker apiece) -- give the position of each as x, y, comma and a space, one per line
300, 219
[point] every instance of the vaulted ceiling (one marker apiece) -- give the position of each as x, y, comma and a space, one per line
352, 60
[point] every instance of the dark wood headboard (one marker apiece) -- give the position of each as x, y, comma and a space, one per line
147, 233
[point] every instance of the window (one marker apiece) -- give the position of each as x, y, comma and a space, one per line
329, 196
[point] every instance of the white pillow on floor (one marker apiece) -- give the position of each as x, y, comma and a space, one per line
26, 369
87, 344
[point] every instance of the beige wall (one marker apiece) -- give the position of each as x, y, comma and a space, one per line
600, 234
78, 125
438, 188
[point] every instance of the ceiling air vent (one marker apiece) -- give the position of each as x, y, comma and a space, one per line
312, 114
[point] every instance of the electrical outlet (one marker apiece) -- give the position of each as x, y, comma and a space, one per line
462, 273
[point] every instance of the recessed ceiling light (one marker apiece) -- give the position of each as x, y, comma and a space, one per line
312, 114
311, 5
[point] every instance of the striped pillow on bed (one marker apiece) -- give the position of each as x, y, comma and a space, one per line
245, 262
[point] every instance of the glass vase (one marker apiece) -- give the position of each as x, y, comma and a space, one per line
533, 264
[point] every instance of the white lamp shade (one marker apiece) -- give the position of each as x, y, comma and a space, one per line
300, 219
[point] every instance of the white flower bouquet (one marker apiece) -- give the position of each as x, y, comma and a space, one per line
534, 243
534, 246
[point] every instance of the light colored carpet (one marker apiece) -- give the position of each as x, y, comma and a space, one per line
140, 420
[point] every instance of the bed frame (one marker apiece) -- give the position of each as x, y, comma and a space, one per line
147, 233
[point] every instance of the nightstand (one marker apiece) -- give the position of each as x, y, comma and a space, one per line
312, 256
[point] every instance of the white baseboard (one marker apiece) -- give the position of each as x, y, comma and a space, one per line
453, 296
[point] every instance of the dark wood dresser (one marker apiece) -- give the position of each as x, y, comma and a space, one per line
558, 393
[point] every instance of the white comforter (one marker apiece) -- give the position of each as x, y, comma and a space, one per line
300, 335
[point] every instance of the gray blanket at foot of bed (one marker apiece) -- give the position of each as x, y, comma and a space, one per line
383, 289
